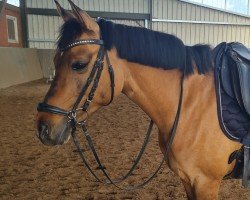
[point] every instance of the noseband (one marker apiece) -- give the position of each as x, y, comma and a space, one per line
94, 77
72, 115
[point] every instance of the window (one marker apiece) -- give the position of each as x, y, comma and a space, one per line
236, 6
239, 6
14, 2
12, 29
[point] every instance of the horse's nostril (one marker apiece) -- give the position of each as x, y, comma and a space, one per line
43, 130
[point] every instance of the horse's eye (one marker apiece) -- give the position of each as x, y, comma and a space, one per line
78, 66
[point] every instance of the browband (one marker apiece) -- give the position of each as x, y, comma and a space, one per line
82, 42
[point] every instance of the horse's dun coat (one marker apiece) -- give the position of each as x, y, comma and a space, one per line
200, 151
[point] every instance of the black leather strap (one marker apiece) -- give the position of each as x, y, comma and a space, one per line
93, 89
120, 179
112, 78
110, 181
44, 107
98, 64
81, 42
245, 168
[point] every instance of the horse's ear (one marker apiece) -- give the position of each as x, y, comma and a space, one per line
66, 15
83, 17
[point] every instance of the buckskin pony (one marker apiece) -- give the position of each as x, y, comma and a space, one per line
155, 70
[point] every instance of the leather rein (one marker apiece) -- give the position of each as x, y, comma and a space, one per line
94, 77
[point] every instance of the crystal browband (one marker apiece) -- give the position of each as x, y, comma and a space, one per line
82, 42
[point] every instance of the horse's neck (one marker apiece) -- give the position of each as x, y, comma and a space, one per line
157, 92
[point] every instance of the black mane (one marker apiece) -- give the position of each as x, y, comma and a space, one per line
144, 46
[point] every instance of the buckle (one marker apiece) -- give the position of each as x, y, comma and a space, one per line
88, 100
72, 115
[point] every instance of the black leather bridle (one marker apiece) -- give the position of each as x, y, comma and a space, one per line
94, 77
72, 115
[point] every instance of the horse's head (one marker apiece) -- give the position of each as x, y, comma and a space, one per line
80, 57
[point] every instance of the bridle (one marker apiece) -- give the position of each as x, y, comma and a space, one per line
94, 77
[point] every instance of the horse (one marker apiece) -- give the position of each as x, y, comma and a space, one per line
149, 67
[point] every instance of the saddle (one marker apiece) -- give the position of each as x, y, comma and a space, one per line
232, 80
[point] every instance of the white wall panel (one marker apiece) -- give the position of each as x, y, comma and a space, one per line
43, 30
192, 32
44, 34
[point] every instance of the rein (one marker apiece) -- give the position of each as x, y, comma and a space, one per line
74, 123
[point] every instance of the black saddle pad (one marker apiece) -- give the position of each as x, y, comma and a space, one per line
233, 118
